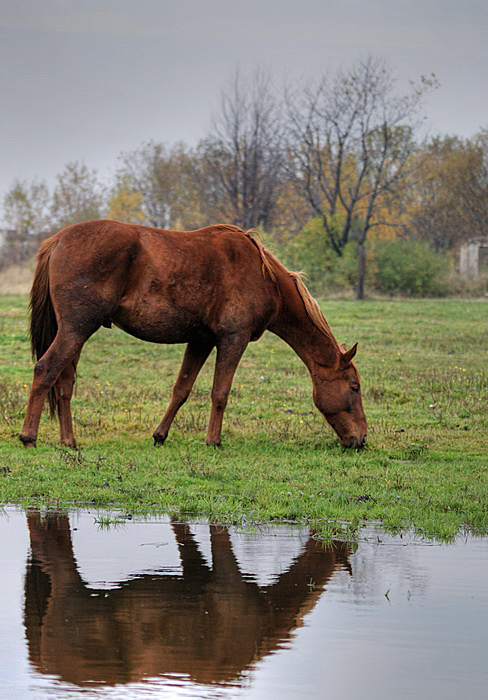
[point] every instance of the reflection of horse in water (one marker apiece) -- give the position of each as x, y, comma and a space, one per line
209, 624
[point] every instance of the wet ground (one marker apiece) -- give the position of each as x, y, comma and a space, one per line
166, 609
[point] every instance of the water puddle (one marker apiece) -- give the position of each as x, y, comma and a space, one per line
168, 609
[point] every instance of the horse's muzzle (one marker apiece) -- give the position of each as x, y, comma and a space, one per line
354, 442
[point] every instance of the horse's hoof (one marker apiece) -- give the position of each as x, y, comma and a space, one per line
27, 441
215, 444
68, 443
159, 439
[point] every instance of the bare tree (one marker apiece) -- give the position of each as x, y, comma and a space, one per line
26, 214
242, 157
78, 195
26, 207
351, 141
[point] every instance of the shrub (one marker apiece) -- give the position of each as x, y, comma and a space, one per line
412, 268
326, 272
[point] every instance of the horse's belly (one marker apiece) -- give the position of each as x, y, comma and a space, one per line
162, 325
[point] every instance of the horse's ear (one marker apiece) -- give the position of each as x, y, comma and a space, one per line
343, 347
347, 355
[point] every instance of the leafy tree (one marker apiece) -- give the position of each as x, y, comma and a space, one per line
126, 203
450, 200
167, 181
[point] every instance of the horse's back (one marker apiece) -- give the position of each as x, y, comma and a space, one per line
208, 280
163, 285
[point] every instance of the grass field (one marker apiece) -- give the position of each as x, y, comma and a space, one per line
425, 386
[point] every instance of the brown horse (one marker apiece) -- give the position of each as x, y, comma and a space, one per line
214, 287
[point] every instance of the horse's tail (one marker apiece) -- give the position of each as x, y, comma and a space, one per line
43, 323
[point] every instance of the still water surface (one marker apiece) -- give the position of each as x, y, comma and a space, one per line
162, 609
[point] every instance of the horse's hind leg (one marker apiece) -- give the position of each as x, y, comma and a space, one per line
193, 361
64, 349
64, 391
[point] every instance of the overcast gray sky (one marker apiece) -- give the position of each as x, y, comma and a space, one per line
87, 79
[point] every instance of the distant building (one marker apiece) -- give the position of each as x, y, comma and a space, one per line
473, 258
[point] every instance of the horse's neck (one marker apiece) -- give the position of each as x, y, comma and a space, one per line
295, 327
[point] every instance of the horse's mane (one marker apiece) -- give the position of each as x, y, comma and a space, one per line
311, 306
256, 239
313, 309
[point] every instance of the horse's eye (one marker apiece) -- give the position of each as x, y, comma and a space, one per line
355, 387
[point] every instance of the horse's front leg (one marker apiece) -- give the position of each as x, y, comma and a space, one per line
193, 361
192, 560
229, 352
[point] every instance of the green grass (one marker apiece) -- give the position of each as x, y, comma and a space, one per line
425, 386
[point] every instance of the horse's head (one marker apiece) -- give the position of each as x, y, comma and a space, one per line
337, 395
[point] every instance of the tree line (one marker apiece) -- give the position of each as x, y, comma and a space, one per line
332, 172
